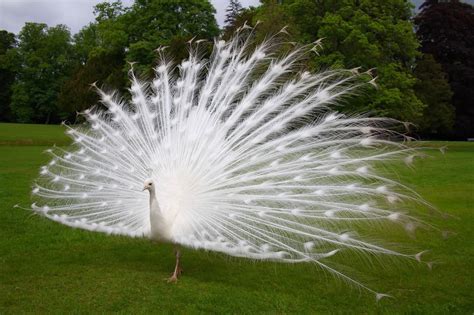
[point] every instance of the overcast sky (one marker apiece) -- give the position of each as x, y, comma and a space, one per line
78, 13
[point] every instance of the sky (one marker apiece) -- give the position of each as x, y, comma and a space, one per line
78, 13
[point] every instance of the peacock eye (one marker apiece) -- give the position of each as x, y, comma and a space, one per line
150, 184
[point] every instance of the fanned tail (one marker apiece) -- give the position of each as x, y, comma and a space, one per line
238, 168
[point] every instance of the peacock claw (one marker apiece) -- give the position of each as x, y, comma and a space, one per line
176, 274
172, 279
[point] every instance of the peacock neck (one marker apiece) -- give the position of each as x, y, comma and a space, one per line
159, 229
154, 206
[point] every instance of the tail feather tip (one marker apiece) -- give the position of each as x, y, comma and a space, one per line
418, 256
379, 296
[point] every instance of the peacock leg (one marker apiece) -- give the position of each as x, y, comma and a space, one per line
177, 269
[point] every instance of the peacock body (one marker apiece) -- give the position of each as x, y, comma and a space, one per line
234, 161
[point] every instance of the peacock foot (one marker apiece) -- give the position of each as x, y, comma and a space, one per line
176, 274
172, 279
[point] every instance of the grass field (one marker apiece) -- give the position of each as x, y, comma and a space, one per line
35, 135
49, 268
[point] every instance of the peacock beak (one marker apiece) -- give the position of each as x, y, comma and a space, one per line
144, 188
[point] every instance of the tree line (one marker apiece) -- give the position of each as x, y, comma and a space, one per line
423, 63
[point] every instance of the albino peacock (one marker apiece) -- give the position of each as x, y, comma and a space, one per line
234, 161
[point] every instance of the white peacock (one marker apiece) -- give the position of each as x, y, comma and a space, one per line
229, 165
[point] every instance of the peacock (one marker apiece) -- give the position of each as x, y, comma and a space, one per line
242, 153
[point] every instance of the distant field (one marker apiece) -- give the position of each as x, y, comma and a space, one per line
49, 268
31, 134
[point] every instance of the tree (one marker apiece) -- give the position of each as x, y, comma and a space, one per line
111, 31
106, 11
365, 33
137, 31
7, 73
245, 16
232, 12
445, 31
130, 34
433, 90
107, 35
86, 42
100, 49
44, 58
155, 23
273, 17
77, 92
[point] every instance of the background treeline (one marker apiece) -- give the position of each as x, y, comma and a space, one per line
424, 64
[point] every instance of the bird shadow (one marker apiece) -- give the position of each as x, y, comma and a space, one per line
199, 266
217, 269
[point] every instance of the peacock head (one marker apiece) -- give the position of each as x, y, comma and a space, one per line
148, 185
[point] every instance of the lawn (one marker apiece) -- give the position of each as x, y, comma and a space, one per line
49, 268
37, 135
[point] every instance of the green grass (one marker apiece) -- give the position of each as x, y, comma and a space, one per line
31, 134
49, 268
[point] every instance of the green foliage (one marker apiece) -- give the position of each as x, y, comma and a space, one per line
367, 34
106, 11
273, 17
433, 89
245, 16
20, 102
99, 57
371, 34
44, 58
445, 30
85, 42
78, 93
7, 73
120, 36
152, 23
